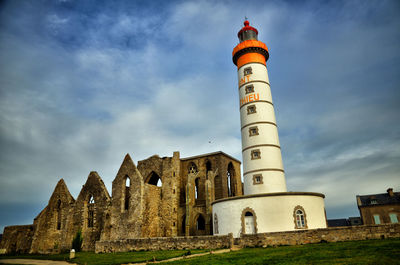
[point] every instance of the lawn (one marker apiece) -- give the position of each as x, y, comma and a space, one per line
385, 251
91, 258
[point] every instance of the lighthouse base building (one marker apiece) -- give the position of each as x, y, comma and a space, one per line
266, 206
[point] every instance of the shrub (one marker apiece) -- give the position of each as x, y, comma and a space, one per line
77, 241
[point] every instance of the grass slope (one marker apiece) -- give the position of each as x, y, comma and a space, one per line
355, 252
386, 251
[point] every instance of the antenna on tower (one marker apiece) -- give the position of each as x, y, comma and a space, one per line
245, 18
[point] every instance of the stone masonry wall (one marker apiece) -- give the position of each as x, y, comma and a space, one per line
17, 239
164, 243
334, 234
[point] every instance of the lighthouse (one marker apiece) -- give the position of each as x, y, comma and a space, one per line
261, 153
266, 206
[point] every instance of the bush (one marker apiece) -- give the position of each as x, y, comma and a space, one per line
77, 242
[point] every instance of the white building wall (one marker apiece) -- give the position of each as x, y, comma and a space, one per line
267, 139
273, 213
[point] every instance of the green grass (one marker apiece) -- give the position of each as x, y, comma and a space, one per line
91, 258
354, 252
386, 251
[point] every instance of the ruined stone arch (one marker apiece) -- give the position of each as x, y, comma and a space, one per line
218, 191
90, 211
58, 216
127, 194
183, 224
208, 167
230, 175
192, 168
248, 212
197, 188
154, 179
200, 222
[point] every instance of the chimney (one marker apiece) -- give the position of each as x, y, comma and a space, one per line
390, 192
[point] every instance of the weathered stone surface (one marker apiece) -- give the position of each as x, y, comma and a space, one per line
139, 208
257, 240
52, 225
17, 239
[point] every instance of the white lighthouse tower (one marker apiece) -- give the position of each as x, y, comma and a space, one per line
262, 160
266, 206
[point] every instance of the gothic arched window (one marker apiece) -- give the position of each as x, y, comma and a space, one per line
192, 168
127, 192
300, 220
58, 215
91, 203
200, 223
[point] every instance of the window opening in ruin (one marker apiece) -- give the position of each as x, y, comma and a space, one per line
183, 228
230, 174
58, 214
127, 192
208, 168
200, 223
192, 168
154, 179
218, 187
196, 191
91, 211
90, 218
215, 224
91, 199
247, 71
249, 89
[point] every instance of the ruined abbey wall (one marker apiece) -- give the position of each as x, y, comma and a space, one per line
158, 198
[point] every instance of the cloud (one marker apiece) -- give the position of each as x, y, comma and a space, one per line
84, 85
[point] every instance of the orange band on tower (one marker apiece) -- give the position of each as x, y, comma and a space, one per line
250, 57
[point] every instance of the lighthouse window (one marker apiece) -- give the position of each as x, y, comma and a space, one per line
255, 154
251, 109
300, 218
249, 89
247, 71
253, 131
257, 179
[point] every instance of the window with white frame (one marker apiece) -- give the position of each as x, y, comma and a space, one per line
393, 218
300, 218
377, 219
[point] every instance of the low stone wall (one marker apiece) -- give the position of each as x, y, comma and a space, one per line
165, 243
298, 237
17, 239
333, 234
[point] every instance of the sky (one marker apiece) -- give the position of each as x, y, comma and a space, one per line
83, 83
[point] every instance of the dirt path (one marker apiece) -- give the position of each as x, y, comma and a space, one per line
34, 262
187, 257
